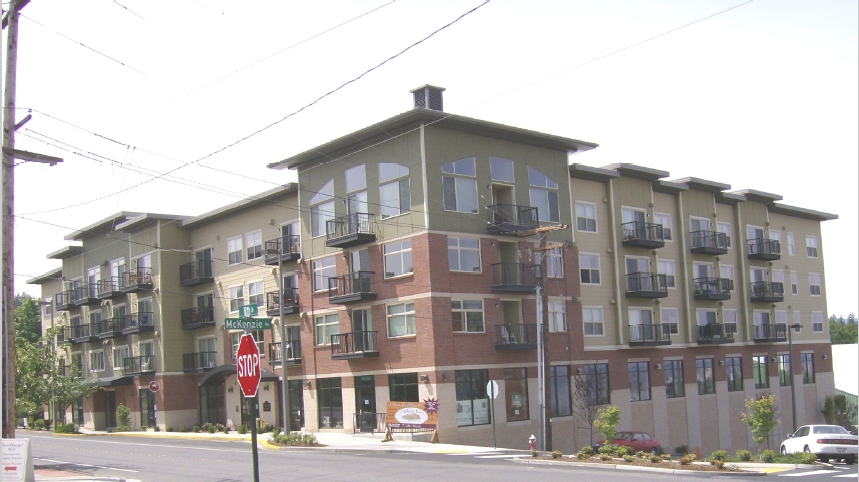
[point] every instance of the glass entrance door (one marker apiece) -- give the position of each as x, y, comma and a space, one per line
365, 403
110, 409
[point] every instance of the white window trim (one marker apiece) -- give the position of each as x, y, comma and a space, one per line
314, 270
672, 263
482, 311
602, 315
822, 322
809, 245
249, 283
791, 243
93, 369
459, 247
670, 309
671, 227
400, 253
596, 218
819, 285
598, 269
230, 297
405, 314
261, 244
116, 350
241, 252
563, 313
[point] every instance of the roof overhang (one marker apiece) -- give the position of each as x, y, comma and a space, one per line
66, 252
217, 375
627, 169
588, 173
703, 185
669, 187
115, 381
779, 208
52, 275
247, 203
103, 225
146, 220
759, 196
729, 198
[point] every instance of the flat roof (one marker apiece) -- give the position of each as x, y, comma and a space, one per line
798, 212
66, 252
760, 196
669, 187
411, 119
100, 225
54, 274
634, 170
147, 219
703, 184
581, 171
249, 202
729, 198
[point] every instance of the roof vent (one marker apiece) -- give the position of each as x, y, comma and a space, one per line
428, 97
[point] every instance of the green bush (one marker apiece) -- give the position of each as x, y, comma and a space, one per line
196, 429
768, 456
557, 454
605, 457
642, 454
298, 438
666, 457
123, 416
681, 450
65, 428
629, 458
169, 429
720, 464
39, 424
212, 429
719, 455
655, 459
183, 428
157, 428
608, 449
243, 429
807, 458
226, 429
744, 455
687, 459
624, 450
534, 454
583, 456
587, 450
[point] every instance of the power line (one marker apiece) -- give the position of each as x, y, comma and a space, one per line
130, 10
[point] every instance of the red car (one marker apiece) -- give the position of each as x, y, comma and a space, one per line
639, 441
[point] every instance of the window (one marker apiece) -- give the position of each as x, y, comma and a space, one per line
797, 318
94, 319
254, 243
562, 401
557, 317
401, 320
811, 246
705, 317
586, 217
516, 393
596, 383
639, 381
322, 209
391, 170
542, 196
807, 361
234, 250
256, 294
237, 297
706, 380
463, 254
759, 371
472, 404
322, 270
814, 284
394, 197
356, 178
778, 276
727, 272
781, 317
236, 337
665, 221
96, 361
120, 353
49, 306
794, 283
785, 378
734, 368
671, 317
674, 387
398, 258
791, 244
817, 321
554, 262
460, 193
501, 169
592, 320
330, 402
326, 326
726, 229
666, 267
403, 387
730, 319
589, 267
467, 315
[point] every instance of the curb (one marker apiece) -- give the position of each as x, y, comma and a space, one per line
634, 468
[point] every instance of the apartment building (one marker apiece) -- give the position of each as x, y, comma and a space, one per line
411, 254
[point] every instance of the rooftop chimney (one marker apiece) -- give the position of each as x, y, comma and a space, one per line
428, 97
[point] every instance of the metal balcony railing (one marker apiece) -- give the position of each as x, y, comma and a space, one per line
290, 305
82, 332
650, 334
515, 277
291, 249
646, 285
712, 288
137, 322
511, 218
715, 333
710, 242
293, 352
196, 273
109, 327
516, 336
64, 300
193, 318
111, 287
771, 332
138, 364
763, 248
355, 286
199, 361
350, 230
767, 291
138, 279
85, 294
356, 344
643, 235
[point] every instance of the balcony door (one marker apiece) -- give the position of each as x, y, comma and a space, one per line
207, 351
93, 276
147, 408
362, 325
365, 402
635, 266
359, 260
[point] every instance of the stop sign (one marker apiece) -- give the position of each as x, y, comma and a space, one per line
247, 365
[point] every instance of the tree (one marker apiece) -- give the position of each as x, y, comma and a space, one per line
843, 332
609, 418
836, 411
585, 403
762, 417
28, 320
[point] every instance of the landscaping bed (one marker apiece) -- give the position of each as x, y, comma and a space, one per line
645, 462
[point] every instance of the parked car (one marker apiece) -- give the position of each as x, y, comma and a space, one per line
639, 441
826, 441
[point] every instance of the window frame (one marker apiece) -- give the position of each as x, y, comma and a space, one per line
706, 376
639, 376
257, 248
670, 278
409, 319
458, 249
470, 387
560, 375
812, 249
463, 311
235, 252
814, 289
807, 362
760, 372
817, 322
325, 325
236, 298
260, 301
557, 318
722, 227
459, 180
403, 387
791, 244
667, 232
319, 271
785, 377
402, 251
734, 373
597, 383
674, 384
97, 361
673, 320
586, 264
585, 217
516, 378
591, 310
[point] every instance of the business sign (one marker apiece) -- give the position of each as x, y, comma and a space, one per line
17, 461
413, 415
247, 323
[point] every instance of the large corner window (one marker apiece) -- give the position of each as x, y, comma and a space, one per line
463, 254
401, 319
562, 400
544, 195
596, 383
398, 258
394, 192
459, 183
467, 315
472, 403
321, 209
403, 387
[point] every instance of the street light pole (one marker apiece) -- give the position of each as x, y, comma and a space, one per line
795, 326
287, 423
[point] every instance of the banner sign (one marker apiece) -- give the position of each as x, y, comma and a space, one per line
413, 415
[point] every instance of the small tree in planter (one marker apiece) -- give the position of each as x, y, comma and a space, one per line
761, 417
609, 418
123, 416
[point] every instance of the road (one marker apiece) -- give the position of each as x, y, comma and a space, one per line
170, 460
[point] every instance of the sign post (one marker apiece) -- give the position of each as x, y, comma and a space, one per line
492, 390
248, 374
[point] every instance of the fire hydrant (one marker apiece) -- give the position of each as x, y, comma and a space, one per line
533, 442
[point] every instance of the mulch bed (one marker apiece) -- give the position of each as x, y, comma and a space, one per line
699, 467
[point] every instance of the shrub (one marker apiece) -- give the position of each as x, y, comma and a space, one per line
768, 456
243, 429
666, 457
157, 428
720, 464
608, 449
557, 454
123, 416
624, 450
267, 428
681, 450
582, 455
605, 457
641, 454
212, 429
298, 438
687, 459
807, 458
47, 424
655, 459
587, 450
196, 429
744, 455
39, 424
169, 429
65, 428
183, 428
534, 454
226, 429
629, 458
719, 455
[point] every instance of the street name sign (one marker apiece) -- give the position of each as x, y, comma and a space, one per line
247, 323
246, 311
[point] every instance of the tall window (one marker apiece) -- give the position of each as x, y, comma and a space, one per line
472, 403
557, 317
120, 353
403, 387
323, 269
544, 195
394, 193
554, 262
807, 360
727, 272
256, 294
814, 284
811, 246
759, 371
665, 221
398, 258
674, 387
459, 184
785, 378
794, 283
730, 319
725, 228
592, 320
596, 381
234, 250
401, 320
791, 244
326, 326
817, 321
671, 317
586, 217
467, 315
501, 169
463, 254
96, 361
562, 401
706, 379
589, 266
254, 243
237, 297
330, 402
516, 393
321, 209
639, 381
734, 368
666, 267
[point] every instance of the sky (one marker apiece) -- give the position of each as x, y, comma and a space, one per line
756, 94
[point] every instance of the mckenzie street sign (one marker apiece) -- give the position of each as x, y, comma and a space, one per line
247, 323
246, 311
247, 365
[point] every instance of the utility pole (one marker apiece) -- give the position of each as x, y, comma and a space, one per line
284, 346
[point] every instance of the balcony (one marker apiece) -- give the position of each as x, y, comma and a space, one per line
110, 288
767, 292
196, 273
510, 219
83, 333
770, 333
86, 294
109, 328
516, 336
646, 285
138, 365
62, 335
714, 334
650, 335
137, 323
358, 344
290, 305
639, 234
63, 300
293, 353
194, 318
75, 371
202, 361
713, 289
350, 288
515, 277
710, 242
291, 250
139, 279
351, 230
765, 249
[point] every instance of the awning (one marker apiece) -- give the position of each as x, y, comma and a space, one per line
217, 375
116, 381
